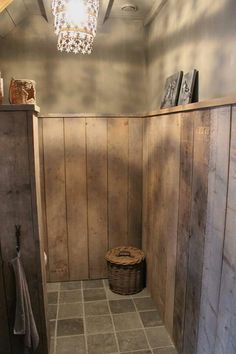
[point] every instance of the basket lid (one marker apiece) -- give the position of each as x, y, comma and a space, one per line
125, 255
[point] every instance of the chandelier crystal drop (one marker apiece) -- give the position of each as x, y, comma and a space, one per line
75, 23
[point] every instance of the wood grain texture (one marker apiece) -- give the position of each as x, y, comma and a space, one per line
76, 197
145, 198
118, 143
5, 345
54, 169
97, 195
171, 184
39, 285
135, 183
198, 225
42, 189
215, 226
18, 190
157, 243
184, 223
226, 325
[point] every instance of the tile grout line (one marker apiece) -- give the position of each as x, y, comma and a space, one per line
55, 331
113, 325
142, 326
84, 319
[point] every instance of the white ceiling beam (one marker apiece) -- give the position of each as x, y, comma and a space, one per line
45, 9
156, 8
105, 10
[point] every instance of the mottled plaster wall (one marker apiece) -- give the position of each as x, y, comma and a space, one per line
190, 34
111, 79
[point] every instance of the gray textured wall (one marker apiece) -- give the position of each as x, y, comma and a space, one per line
111, 79
190, 34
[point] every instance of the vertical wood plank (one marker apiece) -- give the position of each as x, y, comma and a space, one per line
157, 244
198, 225
171, 185
118, 137
184, 222
226, 325
5, 346
43, 197
76, 197
54, 160
39, 284
135, 183
214, 239
97, 195
145, 201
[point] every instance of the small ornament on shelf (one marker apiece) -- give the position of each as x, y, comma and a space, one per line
22, 91
1, 90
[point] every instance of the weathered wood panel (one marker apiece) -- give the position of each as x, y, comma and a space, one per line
226, 325
162, 176
215, 226
157, 243
97, 195
76, 197
135, 182
118, 142
171, 185
5, 345
145, 195
42, 189
184, 222
198, 226
18, 189
54, 170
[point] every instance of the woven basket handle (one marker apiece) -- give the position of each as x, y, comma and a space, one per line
124, 254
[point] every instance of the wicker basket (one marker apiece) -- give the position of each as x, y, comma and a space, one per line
125, 270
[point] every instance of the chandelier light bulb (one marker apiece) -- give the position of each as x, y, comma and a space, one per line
75, 23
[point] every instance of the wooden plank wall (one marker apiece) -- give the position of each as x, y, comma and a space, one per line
188, 226
91, 171
19, 197
161, 194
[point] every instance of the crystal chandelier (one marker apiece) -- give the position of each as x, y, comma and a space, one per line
75, 23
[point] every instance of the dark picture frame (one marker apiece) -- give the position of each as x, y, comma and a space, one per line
171, 91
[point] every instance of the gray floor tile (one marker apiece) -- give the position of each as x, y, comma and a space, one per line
53, 287
70, 296
150, 318
142, 293
132, 340
139, 352
169, 350
71, 345
102, 344
52, 298
70, 310
52, 312
95, 308
127, 321
94, 295
114, 296
71, 285
144, 303
93, 284
99, 324
69, 327
121, 306
158, 337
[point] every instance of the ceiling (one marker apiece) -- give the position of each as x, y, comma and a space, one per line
18, 10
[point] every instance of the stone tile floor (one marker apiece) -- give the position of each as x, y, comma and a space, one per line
87, 318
